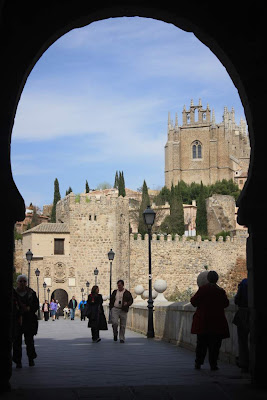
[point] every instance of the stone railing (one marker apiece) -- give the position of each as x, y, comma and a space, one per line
172, 323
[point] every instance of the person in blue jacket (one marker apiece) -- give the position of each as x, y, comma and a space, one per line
82, 308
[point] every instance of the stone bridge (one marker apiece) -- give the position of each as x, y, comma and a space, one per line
69, 366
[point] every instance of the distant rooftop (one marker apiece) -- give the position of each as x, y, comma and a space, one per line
49, 228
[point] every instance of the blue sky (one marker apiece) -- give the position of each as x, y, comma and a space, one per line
98, 99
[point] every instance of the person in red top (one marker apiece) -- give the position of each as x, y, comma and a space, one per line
209, 321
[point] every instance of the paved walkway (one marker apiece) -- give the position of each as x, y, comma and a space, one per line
70, 366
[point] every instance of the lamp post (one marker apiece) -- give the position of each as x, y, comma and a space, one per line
149, 218
111, 256
44, 286
29, 258
82, 290
37, 273
96, 273
87, 286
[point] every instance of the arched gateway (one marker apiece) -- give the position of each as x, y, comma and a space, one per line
62, 296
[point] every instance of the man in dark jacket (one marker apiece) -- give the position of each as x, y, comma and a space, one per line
120, 302
72, 306
209, 321
26, 322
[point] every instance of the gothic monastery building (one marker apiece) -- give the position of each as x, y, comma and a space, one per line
203, 150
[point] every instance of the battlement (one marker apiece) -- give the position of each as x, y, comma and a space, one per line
184, 239
73, 205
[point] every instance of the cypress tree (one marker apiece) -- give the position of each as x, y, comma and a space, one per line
142, 228
177, 211
87, 189
34, 218
116, 181
57, 197
121, 185
201, 217
69, 191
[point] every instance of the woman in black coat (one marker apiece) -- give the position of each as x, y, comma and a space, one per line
95, 314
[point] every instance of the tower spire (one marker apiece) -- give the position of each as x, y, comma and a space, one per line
176, 121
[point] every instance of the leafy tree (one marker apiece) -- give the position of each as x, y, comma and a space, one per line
103, 186
57, 197
201, 217
163, 196
87, 189
17, 236
142, 228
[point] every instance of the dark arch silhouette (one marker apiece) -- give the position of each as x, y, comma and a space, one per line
27, 29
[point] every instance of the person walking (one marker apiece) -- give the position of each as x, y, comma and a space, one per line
72, 307
120, 301
46, 309
82, 308
27, 305
241, 320
209, 321
58, 309
95, 313
53, 309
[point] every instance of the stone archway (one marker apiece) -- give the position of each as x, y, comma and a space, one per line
62, 296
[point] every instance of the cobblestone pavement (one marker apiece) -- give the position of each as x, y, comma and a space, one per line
70, 366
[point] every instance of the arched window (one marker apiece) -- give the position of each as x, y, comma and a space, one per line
196, 150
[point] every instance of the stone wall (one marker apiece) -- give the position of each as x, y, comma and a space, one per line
18, 256
180, 261
220, 213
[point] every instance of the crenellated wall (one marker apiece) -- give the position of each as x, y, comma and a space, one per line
179, 261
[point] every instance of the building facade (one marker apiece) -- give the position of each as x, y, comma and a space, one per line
203, 150
69, 251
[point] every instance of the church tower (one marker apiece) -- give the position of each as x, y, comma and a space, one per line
202, 150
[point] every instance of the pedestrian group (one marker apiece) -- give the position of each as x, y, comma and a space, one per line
209, 321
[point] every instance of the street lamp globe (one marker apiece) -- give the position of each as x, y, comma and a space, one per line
149, 216
111, 255
96, 271
37, 272
29, 255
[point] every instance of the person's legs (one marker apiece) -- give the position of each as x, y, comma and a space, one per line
123, 320
72, 313
201, 350
115, 313
30, 349
214, 345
